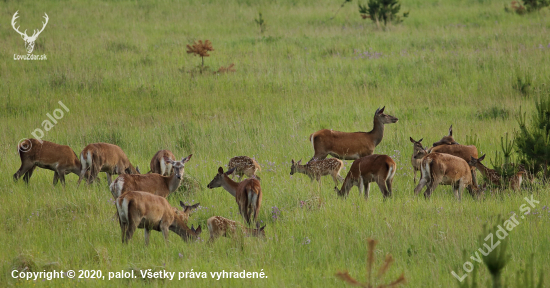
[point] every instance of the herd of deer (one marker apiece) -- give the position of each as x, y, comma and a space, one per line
141, 198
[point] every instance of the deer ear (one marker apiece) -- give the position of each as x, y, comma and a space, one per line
230, 171
182, 205
195, 206
482, 157
199, 230
262, 228
451, 130
381, 110
220, 170
299, 161
186, 158
412, 140
420, 140
376, 113
292, 161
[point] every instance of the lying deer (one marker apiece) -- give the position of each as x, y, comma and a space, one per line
152, 182
417, 148
244, 165
316, 169
219, 226
247, 193
373, 168
104, 157
350, 146
494, 177
445, 169
61, 159
448, 145
159, 165
137, 209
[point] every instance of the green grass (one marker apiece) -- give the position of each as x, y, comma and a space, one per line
121, 69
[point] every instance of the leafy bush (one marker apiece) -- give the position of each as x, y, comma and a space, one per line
382, 11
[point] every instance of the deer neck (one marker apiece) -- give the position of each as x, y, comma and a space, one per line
489, 173
180, 228
302, 169
172, 182
377, 132
230, 185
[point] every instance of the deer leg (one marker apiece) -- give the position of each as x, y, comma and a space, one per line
414, 174
147, 233
25, 167
28, 175
474, 179
55, 178
62, 178
423, 181
335, 179
109, 179
431, 188
460, 188
388, 185
382, 185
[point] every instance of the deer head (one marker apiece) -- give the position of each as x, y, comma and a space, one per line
219, 178
178, 165
29, 41
294, 166
447, 140
384, 118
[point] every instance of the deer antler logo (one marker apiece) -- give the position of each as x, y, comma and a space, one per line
29, 41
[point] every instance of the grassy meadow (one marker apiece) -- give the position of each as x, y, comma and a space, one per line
122, 69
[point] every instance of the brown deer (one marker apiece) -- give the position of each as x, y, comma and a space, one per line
445, 169
417, 148
494, 177
350, 146
138, 209
244, 165
316, 169
61, 159
448, 145
152, 182
159, 165
247, 193
373, 168
104, 157
219, 226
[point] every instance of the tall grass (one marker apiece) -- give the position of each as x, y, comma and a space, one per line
121, 69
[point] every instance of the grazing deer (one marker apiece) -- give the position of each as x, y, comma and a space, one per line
247, 193
61, 159
159, 165
137, 209
373, 168
104, 157
316, 169
494, 177
445, 169
350, 146
152, 182
219, 226
448, 145
244, 165
417, 148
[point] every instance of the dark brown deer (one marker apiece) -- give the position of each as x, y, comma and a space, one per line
219, 226
159, 165
151, 182
350, 146
137, 209
373, 168
61, 159
104, 157
247, 193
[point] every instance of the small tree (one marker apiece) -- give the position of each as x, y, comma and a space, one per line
382, 11
261, 23
533, 141
200, 49
503, 161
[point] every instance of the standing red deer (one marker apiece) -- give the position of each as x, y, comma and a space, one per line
159, 165
61, 159
247, 193
219, 226
417, 148
445, 169
104, 157
316, 169
137, 209
152, 182
448, 145
373, 168
244, 165
350, 146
